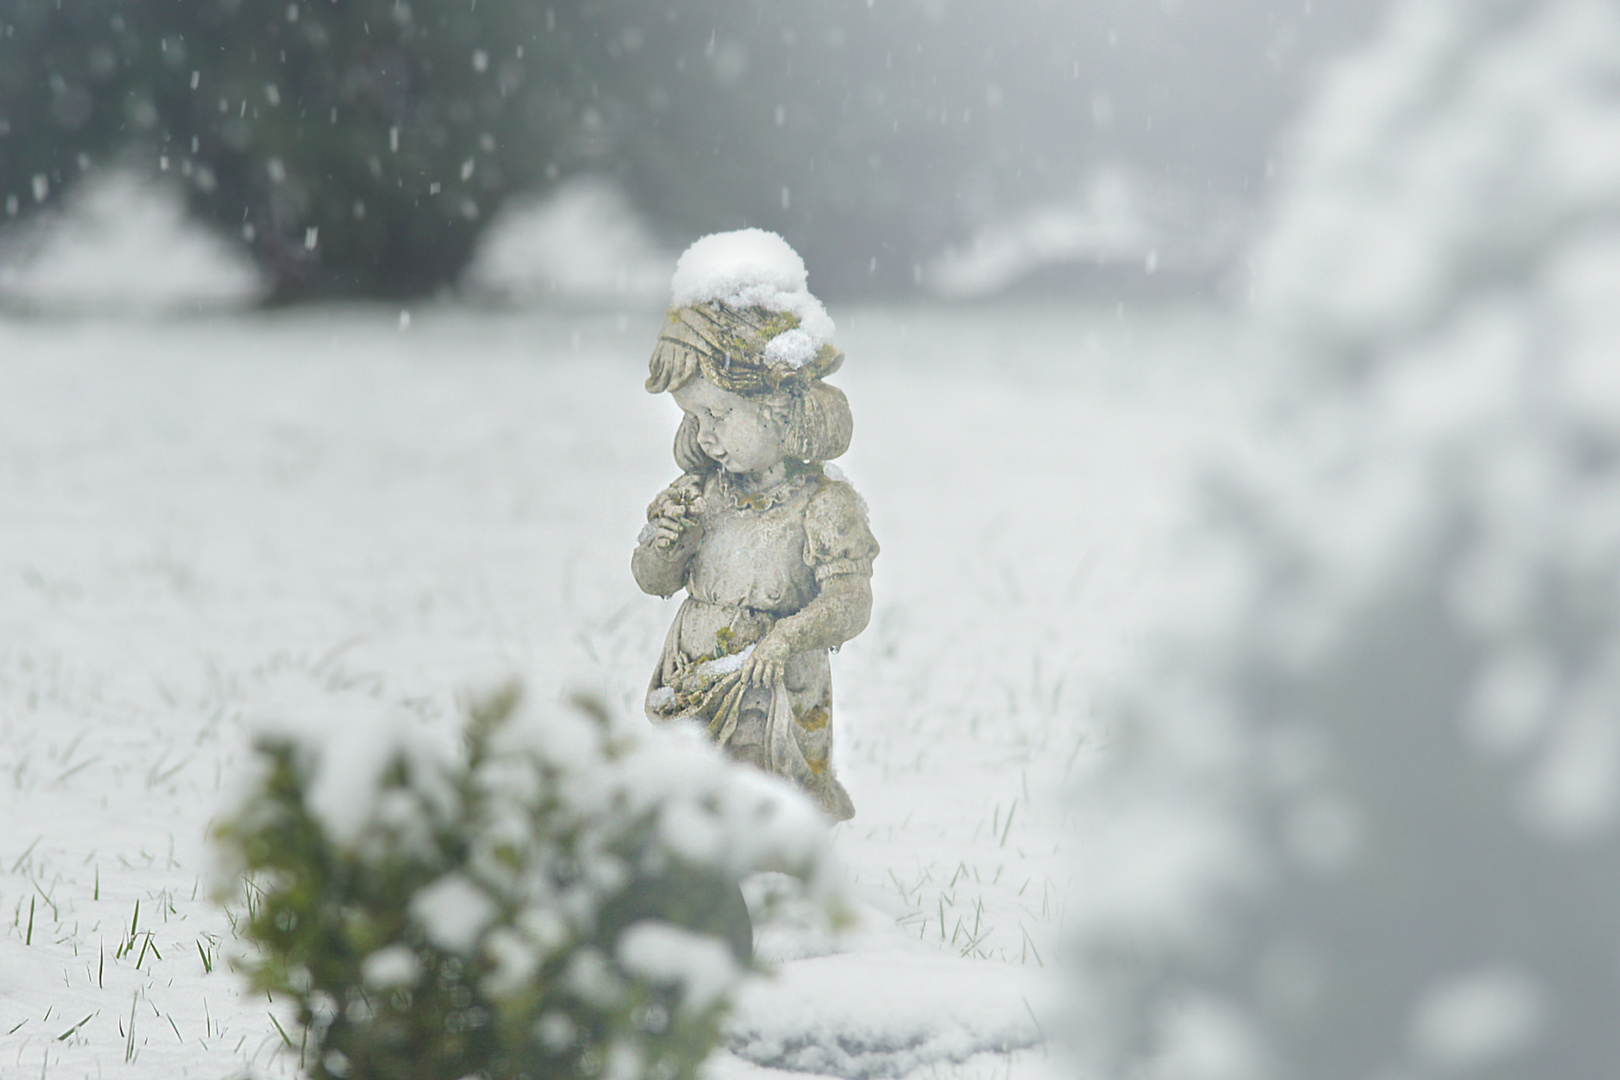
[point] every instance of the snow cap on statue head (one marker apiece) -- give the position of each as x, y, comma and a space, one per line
743, 318
742, 313
753, 268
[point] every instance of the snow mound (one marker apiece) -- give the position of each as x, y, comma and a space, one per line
755, 268
122, 242
1118, 220
882, 1012
583, 242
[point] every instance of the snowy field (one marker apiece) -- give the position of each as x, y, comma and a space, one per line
210, 519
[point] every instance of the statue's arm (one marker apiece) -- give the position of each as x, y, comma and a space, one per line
670, 538
840, 611
659, 570
840, 548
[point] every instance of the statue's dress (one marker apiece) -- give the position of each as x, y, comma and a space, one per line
762, 558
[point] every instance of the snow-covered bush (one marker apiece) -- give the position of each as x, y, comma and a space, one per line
1363, 819
557, 896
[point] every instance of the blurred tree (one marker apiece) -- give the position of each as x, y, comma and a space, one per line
868, 135
875, 135
61, 96
356, 147
1363, 818
333, 136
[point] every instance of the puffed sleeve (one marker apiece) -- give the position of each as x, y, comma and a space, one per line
838, 539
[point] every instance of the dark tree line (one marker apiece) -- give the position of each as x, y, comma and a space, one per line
357, 146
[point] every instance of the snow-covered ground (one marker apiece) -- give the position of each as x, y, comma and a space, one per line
210, 519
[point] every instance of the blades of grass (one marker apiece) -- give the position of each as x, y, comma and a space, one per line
129, 1036
281, 1029
29, 850
85, 764
43, 895
67, 755
164, 776
1037, 1020
29, 938
904, 895
1029, 941
63, 1037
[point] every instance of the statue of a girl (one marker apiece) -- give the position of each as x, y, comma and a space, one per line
772, 547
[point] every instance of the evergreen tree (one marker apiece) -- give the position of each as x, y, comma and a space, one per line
333, 137
62, 96
356, 147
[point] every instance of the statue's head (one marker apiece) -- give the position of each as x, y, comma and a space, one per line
745, 337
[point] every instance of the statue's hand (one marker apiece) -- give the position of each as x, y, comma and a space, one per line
768, 660
669, 531
672, 514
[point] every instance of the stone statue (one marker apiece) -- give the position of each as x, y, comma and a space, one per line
770, 543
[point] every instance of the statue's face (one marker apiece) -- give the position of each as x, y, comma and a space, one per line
738, 432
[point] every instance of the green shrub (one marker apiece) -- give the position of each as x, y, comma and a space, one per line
556, 897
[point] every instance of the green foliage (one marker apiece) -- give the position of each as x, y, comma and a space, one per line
533, 906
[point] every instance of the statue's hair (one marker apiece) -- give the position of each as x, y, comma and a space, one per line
688, 454
728, 346
671, 368
816, 422
819, 422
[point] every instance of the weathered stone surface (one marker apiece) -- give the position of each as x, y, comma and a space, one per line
772, 548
